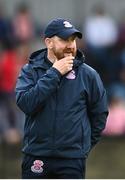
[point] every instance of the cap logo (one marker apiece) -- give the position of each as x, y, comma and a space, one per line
67, 24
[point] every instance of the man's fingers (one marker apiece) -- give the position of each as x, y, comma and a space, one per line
70, 58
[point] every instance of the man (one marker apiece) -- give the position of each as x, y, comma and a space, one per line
65, 106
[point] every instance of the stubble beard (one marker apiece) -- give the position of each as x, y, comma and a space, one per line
60, 55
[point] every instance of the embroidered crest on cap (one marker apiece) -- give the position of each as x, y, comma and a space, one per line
67, 24
71, 75
37, 166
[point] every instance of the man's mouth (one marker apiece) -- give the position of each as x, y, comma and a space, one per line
68, 52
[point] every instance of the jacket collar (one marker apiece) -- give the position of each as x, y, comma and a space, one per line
38, 59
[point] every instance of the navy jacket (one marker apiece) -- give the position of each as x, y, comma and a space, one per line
65, 115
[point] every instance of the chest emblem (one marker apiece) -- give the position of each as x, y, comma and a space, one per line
71, 75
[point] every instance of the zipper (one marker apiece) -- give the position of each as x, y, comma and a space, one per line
54, 122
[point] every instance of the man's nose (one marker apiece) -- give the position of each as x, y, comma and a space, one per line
70, 45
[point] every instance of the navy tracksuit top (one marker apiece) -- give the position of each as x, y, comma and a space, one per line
64, 115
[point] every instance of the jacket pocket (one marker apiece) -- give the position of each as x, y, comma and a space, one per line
82, 139
72, 137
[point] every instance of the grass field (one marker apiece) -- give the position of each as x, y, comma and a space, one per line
106, 160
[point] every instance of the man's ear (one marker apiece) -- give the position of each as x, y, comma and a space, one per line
49, 43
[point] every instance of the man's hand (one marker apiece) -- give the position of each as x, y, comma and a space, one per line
64, 65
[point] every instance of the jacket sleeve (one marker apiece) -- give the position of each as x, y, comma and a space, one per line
30, 96
98, 109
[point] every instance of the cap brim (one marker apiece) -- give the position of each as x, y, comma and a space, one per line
69, 32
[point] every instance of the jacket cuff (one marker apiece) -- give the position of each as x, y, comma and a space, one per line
55, 71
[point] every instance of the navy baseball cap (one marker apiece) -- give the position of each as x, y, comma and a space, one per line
61, 28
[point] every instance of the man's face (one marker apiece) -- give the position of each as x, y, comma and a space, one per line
62, 48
